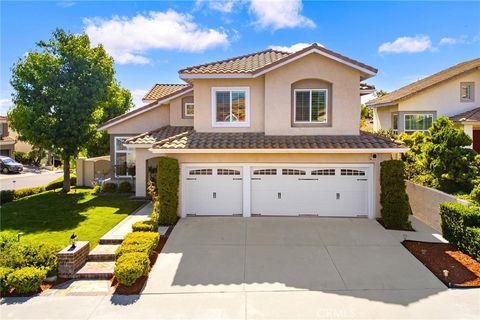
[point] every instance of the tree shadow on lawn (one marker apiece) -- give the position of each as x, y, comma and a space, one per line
56, 211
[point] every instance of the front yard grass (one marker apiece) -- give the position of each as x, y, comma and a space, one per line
51, 217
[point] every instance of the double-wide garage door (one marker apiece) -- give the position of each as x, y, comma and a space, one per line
276, 190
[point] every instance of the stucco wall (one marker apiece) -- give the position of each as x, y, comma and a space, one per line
203, 103
144, 122
425, 203
176, 112
143, 155
345, 96
382, 117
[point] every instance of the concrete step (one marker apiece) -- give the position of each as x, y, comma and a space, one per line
96, 270
103, 252
111, 240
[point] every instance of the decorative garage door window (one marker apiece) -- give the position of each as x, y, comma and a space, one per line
293, 172
228, 172
352, 172
265, 172
201, 172
323, 172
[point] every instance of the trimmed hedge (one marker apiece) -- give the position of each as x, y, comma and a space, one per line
125, 187
168, 175
461, 227
151, 238
148, 225
393, 197
475, 194
26, 280
19, 255
58, 183
12, 195
4, 272
131, 266
109, 187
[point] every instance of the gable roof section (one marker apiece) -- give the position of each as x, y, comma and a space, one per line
161, 90
145, 108
425, 83
167, 132
255, 64
468, 116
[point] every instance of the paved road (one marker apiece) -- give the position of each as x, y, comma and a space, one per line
27, 179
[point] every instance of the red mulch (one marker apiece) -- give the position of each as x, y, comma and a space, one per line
44, 286
137, 287
380, 220
463, 270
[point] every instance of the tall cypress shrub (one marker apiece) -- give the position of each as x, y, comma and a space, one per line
393, 196
168, 176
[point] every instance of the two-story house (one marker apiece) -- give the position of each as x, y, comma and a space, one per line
9, 143
452, 92
270, 133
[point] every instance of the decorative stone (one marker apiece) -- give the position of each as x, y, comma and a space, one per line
72, 259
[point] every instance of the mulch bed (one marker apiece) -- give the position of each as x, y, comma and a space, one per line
44, 286
380, 220
463, 270
137, 287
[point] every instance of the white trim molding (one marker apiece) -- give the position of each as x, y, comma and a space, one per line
310, 106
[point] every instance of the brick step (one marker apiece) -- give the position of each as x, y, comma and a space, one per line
103, 252
96, 270
111, 240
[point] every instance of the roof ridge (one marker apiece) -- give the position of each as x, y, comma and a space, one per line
172, 84
233, 59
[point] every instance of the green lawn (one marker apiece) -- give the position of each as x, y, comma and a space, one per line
51, 217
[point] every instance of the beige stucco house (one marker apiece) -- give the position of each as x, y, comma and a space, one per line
267, 133
452, 92
9, 142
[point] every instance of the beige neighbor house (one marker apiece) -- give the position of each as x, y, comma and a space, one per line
453, 92
269, 133
9, 143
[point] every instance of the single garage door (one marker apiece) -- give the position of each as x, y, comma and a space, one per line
322, 191
213, 190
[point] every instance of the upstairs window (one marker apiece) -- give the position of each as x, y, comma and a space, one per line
187, 107
467, 91
418, 122
310, 105
230, 107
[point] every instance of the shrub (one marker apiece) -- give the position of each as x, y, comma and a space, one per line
475, 194
393, 197
19, 255
26, 280
7, 196
134, 247
109, 187
4, 272
149, 225
58, 183
125, 187
21, 157
457, 223
6, 240
151, 238
11, 195
167, 183
131, 266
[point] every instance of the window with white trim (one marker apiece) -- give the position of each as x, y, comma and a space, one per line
310, 105
124, 159
231, 107
417, 122
189, 109
395, 122
467, 90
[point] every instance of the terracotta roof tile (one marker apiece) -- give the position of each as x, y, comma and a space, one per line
472, 115
187, 138
428, 82
161, 90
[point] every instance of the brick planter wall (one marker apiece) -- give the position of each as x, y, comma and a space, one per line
70, 260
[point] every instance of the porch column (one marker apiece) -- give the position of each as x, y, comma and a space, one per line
141, 156
468, 129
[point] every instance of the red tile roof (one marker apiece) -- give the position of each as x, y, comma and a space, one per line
161, 90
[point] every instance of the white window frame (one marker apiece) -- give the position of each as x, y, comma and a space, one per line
310, 112
217, 124
185, 109
471, 91
127, 151
415, 114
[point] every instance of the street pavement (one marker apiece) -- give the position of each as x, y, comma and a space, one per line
28, 179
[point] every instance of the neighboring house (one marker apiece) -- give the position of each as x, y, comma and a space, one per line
9, 143
453, 92
270, 133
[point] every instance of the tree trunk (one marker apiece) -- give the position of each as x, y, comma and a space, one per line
66, 174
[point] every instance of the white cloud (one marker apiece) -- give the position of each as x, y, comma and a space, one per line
66, 3
5, 105
293, 48
447, 41
225, 6
279, 14
127, 40
415, 44
137, 95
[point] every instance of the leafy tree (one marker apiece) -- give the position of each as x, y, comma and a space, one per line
118, 102
380, 93
58, 92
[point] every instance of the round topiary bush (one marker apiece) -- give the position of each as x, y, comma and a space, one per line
109, 187
125, 187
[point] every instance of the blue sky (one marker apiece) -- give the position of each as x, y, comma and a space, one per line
152, 40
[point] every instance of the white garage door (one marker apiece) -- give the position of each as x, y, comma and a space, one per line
322, 191
213, 190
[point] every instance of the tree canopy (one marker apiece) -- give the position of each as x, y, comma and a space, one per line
59, 91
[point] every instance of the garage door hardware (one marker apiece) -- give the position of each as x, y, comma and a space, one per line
279, 195
237, 179
214, 195
338, 195
311, 179
191, 178
362, 179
